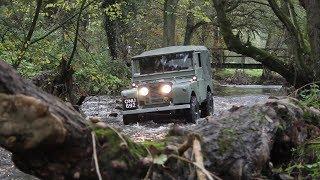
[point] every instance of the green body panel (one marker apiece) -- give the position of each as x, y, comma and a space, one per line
181, 81
130, 93
182, 91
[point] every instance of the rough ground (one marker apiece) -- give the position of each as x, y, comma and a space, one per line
103, 106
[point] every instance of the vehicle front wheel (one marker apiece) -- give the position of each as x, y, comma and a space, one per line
130, 118
194, 112
208, 108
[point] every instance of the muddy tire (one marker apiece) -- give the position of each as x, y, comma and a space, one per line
208, 107
194, 112
130, 118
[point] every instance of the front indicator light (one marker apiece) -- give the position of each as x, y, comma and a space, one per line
166, 89
143, 91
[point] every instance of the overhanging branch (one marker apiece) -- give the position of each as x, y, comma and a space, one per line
234, 43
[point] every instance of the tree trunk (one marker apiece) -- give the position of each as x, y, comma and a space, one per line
313, 13
189, 29
169, 22
110, 29
51, 140
266, 73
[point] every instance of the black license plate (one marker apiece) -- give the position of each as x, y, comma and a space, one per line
130, 103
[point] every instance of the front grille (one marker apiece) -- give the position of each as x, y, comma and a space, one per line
155, 98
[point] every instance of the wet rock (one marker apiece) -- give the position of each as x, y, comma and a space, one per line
94, 119
118, 101
101, 125
113, 114
234, 108
119, 108
282, 176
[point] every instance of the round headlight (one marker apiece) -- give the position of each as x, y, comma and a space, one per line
143, 91
165, 89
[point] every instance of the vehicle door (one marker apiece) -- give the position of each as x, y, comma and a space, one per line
201, 84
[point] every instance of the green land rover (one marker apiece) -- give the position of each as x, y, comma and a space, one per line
172, 80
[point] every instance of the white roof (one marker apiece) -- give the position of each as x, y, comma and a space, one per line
171, 50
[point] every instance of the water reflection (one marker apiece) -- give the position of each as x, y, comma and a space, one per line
238, 90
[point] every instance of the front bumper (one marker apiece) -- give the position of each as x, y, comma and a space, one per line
156, 109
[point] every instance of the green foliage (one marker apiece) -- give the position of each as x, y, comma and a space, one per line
95, 72
102, 76
306, 160
311, 97
231, 72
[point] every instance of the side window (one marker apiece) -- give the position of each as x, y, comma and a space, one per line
199, 59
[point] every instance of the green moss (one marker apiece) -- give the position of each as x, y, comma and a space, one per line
112, 138
225, 140
160, 145
137, 149
118, 149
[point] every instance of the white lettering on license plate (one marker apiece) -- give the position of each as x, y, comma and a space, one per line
130, 103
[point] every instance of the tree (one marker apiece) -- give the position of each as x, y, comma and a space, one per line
299, 72
313, 13
191, 26
169, 22
109, 25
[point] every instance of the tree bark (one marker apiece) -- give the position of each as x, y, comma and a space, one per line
51, 140
110, 29
169, 22
189, 27
313, 13
297, 41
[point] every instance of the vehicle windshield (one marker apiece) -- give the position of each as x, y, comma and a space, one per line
164, 63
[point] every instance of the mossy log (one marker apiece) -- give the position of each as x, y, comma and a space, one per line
51, 140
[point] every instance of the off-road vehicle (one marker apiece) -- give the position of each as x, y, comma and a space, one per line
171, 80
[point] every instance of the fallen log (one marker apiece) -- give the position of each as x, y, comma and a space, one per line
51, 140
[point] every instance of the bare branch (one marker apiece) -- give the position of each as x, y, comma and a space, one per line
27, 39
60, 25
75, 42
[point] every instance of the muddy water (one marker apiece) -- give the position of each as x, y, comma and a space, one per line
102, 106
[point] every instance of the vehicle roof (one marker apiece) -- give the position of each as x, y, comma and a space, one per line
170, 50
